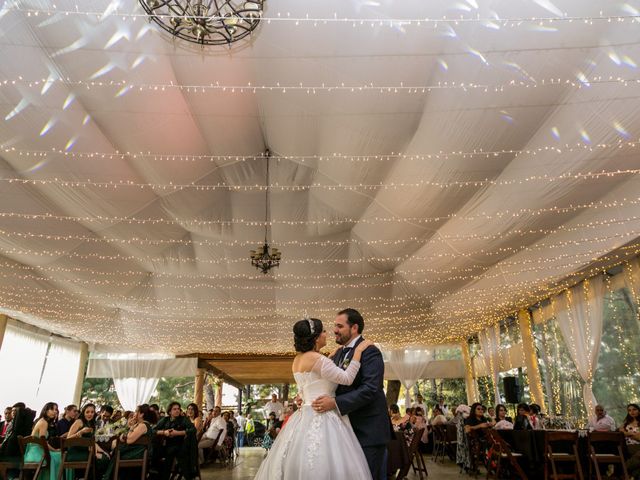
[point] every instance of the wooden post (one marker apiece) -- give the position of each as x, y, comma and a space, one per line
393, 391
531, 359
240, 400
219, 393
199, 388
3, 327
82, 367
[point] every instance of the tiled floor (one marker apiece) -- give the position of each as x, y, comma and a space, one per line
250, 458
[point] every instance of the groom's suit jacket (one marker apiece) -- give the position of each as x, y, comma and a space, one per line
364, 400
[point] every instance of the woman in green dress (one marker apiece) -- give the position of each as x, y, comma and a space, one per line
34, 452
85, 427
144, 416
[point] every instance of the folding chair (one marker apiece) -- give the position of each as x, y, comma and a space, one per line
553, 440
133, 462
498, 453
88, 464
36, 467
415, 455
606, 448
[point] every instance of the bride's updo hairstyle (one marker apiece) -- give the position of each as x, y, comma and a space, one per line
304, 339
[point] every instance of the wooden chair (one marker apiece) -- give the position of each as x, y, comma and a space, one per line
412, 454
606, 448
439, 443
214, 449
36, 467
7, 464
133, 462
88, 464
500, 452
554, 439
450, 440
415, 455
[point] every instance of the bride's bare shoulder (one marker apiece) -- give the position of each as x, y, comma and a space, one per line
304, 362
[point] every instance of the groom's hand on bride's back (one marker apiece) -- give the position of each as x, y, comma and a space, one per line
324, 403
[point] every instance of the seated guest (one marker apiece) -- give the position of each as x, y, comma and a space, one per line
503, 422
34, 452
193, 414
104, 423
117, 415
631, 430
491, 412
155, 408
396, 418
522, 419
68, 417
437, 417
291, 409
174, 429
536, 417
443, 406
85, 427
601, 422
477, 422
128, 451
421, 422
217, 425
7, 420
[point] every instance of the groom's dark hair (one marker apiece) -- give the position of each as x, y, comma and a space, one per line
353, 318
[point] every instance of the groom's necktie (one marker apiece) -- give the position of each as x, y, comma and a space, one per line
344, 354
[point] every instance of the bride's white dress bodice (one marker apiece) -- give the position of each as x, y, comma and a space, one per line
323, 379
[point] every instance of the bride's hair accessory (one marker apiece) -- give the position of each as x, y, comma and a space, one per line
310, 322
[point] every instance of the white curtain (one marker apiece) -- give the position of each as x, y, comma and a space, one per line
21, 360
580, 315
136, 376
60, 373
409, 366
490, 345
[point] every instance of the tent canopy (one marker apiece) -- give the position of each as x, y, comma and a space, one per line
455, 188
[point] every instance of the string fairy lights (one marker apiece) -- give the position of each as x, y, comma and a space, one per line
556, 148
297, 20
124, 87
172, 187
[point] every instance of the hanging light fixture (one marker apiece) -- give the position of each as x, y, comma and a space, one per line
266, 257
207, 22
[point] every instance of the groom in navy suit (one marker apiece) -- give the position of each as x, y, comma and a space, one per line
364, 400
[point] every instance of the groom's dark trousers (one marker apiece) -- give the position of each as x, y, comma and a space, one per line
365, 403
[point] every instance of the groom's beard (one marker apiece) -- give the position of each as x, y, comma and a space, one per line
342, 340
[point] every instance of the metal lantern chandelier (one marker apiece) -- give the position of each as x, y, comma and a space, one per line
207, 22
266, 257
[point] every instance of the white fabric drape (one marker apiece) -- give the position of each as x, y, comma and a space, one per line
580, 317
490, 344
60, 373
409, 366
136, 376
134, 391
21, 360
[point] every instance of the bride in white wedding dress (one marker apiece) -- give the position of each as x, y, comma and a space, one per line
313, 445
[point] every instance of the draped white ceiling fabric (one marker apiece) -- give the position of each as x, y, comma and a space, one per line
447, 179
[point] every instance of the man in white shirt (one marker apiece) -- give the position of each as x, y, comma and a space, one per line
213, 432
419, 403
601, 422
273, 406
242, 422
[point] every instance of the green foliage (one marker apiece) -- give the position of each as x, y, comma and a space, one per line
174, 389
99, 391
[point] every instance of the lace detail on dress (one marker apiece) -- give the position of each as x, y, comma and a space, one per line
314, 439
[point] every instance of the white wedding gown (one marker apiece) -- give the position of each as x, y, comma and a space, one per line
317, 446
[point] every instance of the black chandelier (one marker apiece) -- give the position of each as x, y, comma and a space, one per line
266, 257
207, 22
